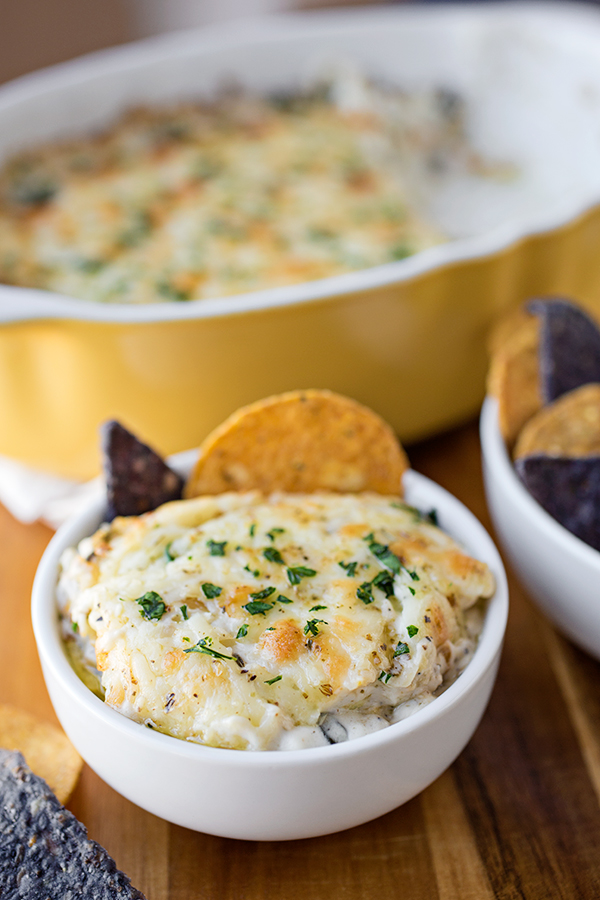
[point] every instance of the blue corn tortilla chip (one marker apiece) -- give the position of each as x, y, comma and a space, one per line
568, 489
569, 353
137, 479
45, 853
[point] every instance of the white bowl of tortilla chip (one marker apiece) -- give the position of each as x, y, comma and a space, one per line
558, 569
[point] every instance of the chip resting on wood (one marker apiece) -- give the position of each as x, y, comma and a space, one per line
45, 853
47, 749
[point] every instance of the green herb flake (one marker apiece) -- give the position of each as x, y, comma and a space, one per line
185, 639
385, 582
184, 612
204, 646
254, 572
257, 607
364, 592
401, 649
412, 590
252, 530
211, 590
273, 555
312, 626
262, 595
385, 676
350, 568
282, 599
242, 632
216, 548
412, 630
274, 680
168, 553
385, 556
316, 608
297, 573
152, 605
274, 532
75, 627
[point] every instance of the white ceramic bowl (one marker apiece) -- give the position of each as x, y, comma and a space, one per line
274, 795
561, 573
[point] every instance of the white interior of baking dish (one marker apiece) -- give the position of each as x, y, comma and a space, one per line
530, 75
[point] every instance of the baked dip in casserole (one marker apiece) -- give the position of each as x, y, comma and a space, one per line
216, 198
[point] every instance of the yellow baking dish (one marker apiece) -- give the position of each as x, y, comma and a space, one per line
407, 338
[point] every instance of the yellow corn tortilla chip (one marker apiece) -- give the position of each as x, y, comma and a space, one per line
514, 377
302, 441
47, 750
505, 328
568, 427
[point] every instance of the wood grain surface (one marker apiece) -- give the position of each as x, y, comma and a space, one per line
516, 816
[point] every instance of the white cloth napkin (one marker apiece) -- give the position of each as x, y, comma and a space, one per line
31, 495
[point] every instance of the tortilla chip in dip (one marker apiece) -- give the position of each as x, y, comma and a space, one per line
300, 442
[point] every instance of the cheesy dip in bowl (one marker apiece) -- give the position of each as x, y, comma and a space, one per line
289, 624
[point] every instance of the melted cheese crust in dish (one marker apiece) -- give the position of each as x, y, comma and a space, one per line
256, 623
214, 199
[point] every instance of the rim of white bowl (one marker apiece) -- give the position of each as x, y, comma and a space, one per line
496, 458
567, 208
52, 653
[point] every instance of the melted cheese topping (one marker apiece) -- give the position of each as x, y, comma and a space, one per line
207, 200
257, 622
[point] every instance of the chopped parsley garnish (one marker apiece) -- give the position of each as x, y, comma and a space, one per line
312, 626
274, 680
242, 632
254, 572
350, 568
274, 531
185, 639
184, 612
297, 573
216, 548
412, 590
257, 607
168, 553
316, 608
262, 595
252, 529
75, 626
401, 649
432, 516
152, 605
385, 582
273, 555
364, 592
412, 630
211, 590
385, 676
204, 646
282, 599
385, 556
